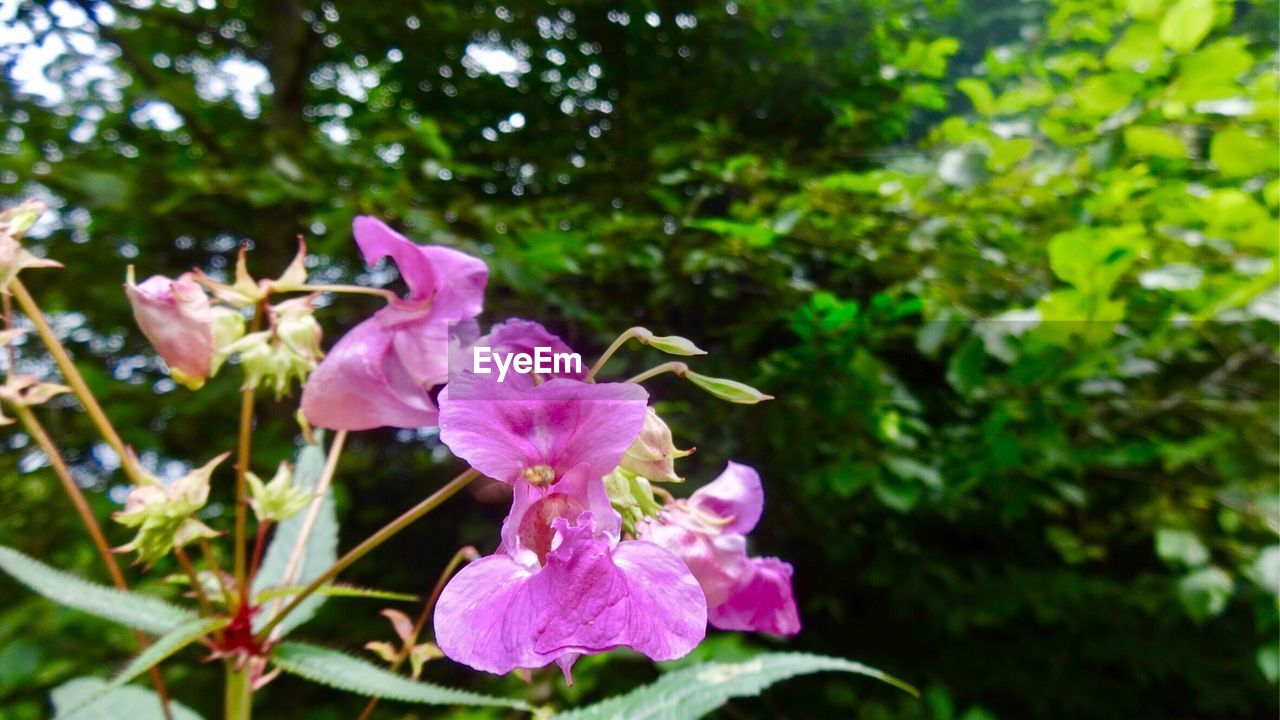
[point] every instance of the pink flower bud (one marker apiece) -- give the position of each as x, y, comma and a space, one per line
176, 317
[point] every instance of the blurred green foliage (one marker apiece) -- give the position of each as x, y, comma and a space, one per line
1009, 268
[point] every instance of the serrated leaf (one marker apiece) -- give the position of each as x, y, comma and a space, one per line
134, 703
730, 390
320, 552
163, 646
343, 672
343, 591
133, 610
695, 691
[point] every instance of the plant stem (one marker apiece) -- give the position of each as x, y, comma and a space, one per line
212, 559
373, 541
239, 699
258, 544
349, 289
466, 553
37, 432
609, 351
74, 379
676, 367
242, 467
205, 607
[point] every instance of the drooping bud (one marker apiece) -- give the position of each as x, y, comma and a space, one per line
164, 515
14, 224
228, 327
653, 454
176, 317
277, 500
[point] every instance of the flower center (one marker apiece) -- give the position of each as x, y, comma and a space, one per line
539, 475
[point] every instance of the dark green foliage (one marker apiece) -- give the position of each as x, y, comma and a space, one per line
868, 199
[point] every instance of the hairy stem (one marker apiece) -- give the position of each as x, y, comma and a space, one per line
242, 466
74, 379
373, 541
609, 351
467, 553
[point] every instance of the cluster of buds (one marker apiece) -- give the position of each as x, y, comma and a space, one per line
650, 459
279, 499
195, 333
165, 514
24, 390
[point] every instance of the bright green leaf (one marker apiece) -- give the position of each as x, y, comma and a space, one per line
133, 703
1186, 24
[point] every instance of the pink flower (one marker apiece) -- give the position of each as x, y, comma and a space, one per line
176, 317
588, 595
562, 584
382, 371
514, 432
708, 531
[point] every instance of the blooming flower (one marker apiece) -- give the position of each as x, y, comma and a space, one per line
708, 531
562, 584
381, 372
176, 317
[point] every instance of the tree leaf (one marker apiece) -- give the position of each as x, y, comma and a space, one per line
163, 646
730, 390
1186, 24
133, 610
134, 703
343, 672
321, 550
695, 691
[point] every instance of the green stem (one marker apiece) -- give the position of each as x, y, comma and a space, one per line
676, 367
348, 289
372, 542
613, 348
239, 693
242, 467
75, 380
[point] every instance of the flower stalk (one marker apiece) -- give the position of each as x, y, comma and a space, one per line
372, 542
247, 395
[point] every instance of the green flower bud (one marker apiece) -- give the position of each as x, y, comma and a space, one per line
653, 454
277, 500
632, 496
163, 515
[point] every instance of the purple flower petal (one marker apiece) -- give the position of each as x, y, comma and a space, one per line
736, 494
176, 317
498, 614
719, 562
764, 603
362, 384
502, 429
452, 281
525, 336
528, 531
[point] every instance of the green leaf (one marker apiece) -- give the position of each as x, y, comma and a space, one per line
979, 93
1182, 546
730, 390
160, 649
320, 553
695, 691
1186, 24
134, 703
1239, 154
750, 233
1140, 49
129, 609
1204, 593
1154, 142
344, 591
343, 672
1094, 259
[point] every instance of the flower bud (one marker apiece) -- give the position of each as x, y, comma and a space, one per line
632, 496
176, 317
228, 327
290, 350
277, 500
163, 514
14, 224
653, 453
